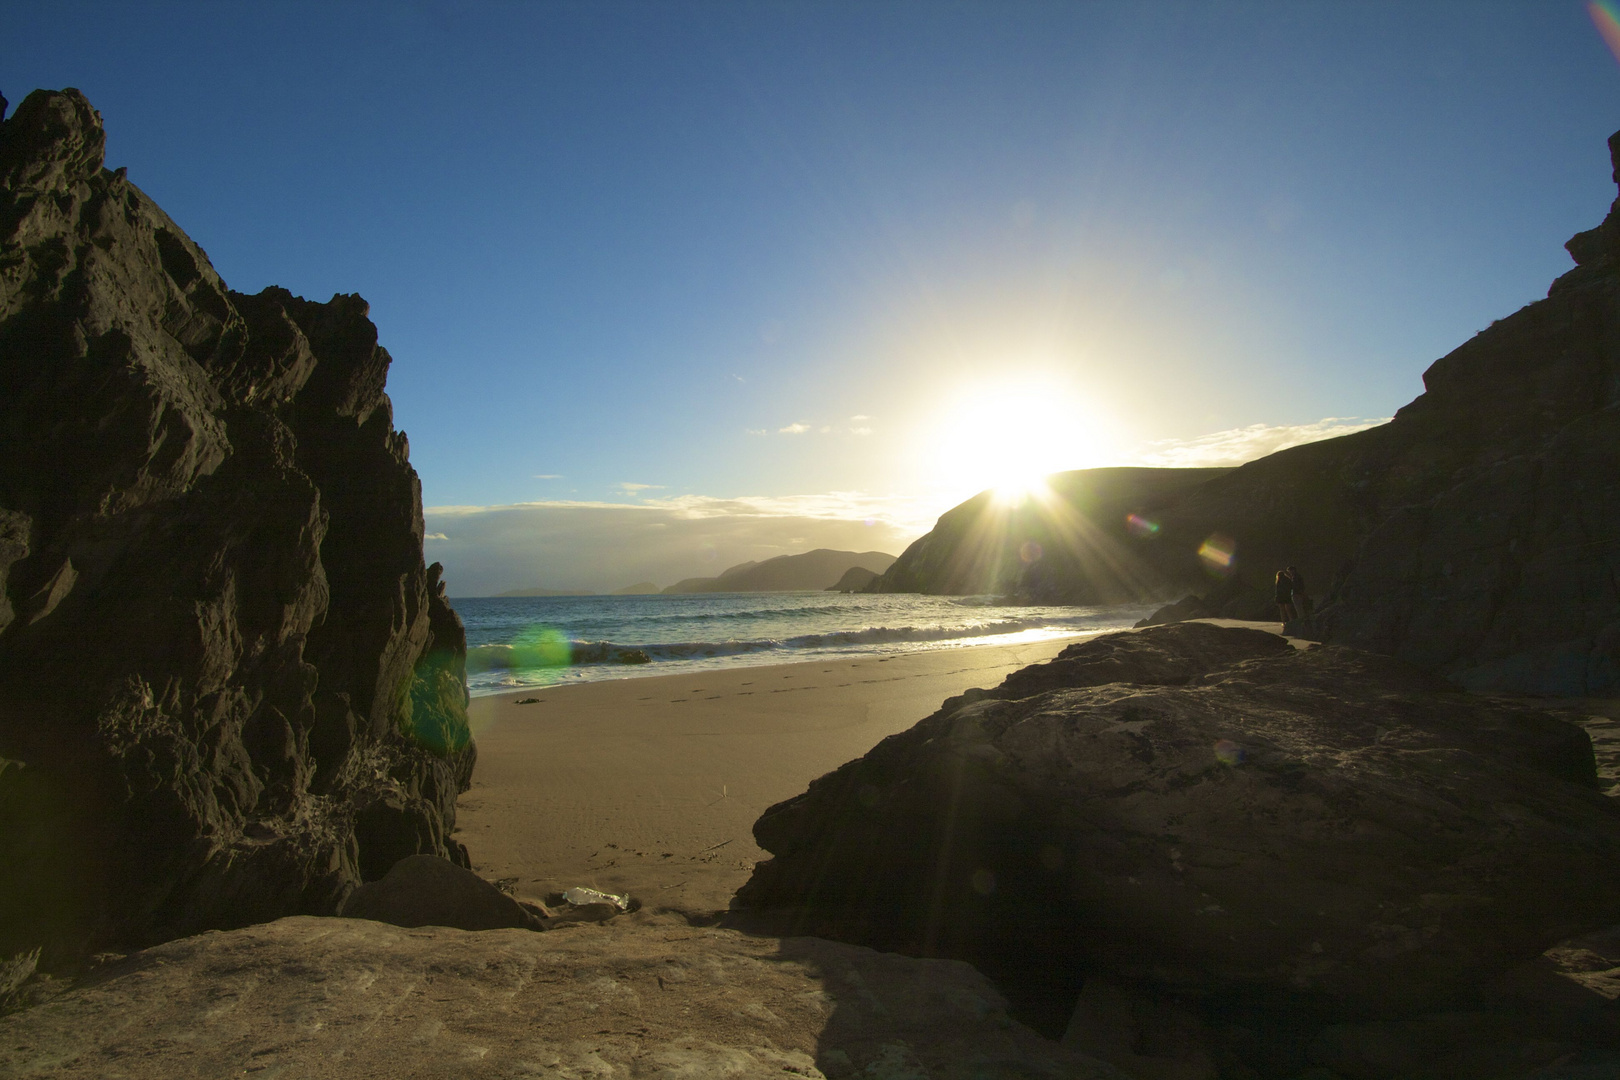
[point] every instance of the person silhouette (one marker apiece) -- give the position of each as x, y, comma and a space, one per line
1284, 596
1302, 600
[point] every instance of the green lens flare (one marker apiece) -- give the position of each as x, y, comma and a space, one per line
541, 647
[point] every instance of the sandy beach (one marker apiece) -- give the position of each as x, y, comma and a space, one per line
651, 785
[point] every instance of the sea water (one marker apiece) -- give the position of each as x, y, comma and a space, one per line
517, 642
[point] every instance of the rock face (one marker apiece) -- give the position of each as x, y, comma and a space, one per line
229, 688
648, 995
1506, 573
1477, 534
1206, 812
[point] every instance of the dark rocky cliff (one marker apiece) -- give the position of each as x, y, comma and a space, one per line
1476, 534
229, 688
1497, 560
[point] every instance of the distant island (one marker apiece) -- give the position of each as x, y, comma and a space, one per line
640, 588
821, 569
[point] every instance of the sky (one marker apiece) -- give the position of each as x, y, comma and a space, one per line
669, 286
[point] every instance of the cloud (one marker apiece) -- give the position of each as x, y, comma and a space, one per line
435, 536
793, 429
757, 431
547, 476
859, 418
632, 488
860, 431
603, 546
1238, 445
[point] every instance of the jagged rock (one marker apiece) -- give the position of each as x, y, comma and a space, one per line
425, 890
647, 995
1328, 830
229, 687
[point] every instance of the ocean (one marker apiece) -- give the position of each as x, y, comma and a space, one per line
518, 642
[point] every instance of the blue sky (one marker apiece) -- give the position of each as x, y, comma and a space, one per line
825, 264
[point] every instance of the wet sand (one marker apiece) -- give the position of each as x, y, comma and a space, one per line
651, 785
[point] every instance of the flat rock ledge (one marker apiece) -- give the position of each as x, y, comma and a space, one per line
650, 995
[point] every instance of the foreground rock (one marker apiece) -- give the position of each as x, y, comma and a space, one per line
648, 995
230, 689
1207, 813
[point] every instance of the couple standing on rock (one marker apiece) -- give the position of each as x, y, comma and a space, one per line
1292, 600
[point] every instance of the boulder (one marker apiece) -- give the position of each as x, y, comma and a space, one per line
1194, 812
230, 689
425, 890
648, 995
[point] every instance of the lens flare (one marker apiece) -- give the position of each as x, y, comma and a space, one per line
1606, 17
541, 647
1141, 526
1219, 554
1228, 752
1030, 551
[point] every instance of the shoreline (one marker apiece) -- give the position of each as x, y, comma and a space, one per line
650, 785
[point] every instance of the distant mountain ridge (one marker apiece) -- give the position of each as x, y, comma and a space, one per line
819, 570
545, 592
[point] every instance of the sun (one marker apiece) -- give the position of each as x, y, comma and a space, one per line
1008, 434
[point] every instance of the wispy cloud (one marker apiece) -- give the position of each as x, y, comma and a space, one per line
547, 476
793, 429
1238, 445
435, 536
757, 431
633, 487
857, 419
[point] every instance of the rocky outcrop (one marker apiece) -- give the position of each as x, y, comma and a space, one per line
816, 570
1209, 814
648, 995
229, 688
1504, 572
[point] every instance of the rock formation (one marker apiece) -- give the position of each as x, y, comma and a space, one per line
1477, 534
816, 570
229, 688
1209, 814
647, 995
